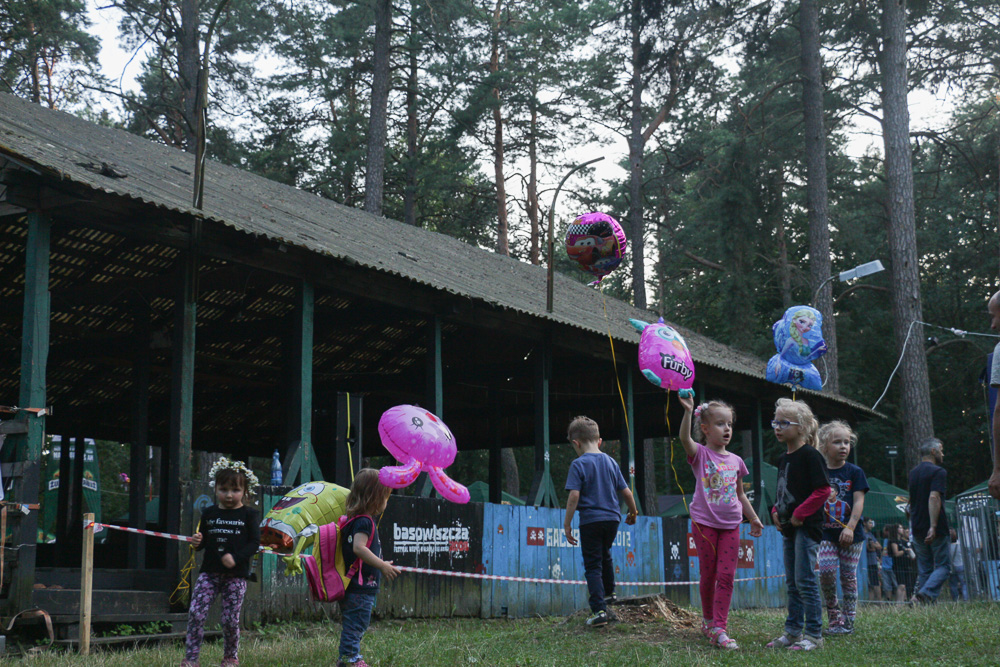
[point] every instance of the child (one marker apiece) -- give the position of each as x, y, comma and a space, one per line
594, 483
717, 509
874, 550
801, 491
230, 535
368, 497
843, 535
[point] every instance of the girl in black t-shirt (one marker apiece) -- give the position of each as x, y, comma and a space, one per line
368, 498
229, 533
802, 490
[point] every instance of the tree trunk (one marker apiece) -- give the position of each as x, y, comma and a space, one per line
816, 186
533, 188
34, 56
918, 423
511, 476
780, 238
188, 64
635, 146
375, 162
410, 189
503, 247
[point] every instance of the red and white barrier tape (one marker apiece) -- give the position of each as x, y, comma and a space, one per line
445, 573
577, 582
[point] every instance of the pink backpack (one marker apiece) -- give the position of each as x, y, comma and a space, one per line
327, 572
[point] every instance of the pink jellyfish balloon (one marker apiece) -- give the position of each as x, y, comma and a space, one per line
422, 443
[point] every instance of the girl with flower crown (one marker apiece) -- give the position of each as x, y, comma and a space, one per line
230, 535
718, 506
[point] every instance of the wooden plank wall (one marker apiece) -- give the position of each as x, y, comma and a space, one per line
529, 542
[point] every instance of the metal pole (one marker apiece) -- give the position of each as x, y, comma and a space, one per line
552, 215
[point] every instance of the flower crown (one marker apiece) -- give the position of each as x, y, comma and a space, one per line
701, 408
225, 463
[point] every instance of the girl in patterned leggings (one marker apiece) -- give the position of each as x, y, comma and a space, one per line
843, 533
230, 535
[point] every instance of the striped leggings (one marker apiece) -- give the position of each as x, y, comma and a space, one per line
832, 556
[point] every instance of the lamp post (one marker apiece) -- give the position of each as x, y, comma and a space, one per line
857, 272
552, 216
892, 451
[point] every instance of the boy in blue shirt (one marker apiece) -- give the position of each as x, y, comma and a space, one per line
594, 483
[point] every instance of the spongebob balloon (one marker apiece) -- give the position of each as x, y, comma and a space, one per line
798, 337
296, 518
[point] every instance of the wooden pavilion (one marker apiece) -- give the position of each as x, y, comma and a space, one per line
266, 320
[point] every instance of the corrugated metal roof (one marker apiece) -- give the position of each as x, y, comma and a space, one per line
74, 149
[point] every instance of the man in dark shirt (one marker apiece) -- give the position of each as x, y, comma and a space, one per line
930, 525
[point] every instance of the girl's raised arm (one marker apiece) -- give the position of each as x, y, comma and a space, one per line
690, 446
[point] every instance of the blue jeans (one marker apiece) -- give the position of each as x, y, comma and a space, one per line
803, 585
933, 565
356, 613
595, 542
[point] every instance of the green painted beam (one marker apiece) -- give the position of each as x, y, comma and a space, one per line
181, 392
435, 389
543, 491
301, 464
27, 447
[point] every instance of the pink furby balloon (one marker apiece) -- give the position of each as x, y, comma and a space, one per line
596, 242
422, 443
664, 357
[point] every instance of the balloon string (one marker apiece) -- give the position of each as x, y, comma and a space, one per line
614, 363
347, 438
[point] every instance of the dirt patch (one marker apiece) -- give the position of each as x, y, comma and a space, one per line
653, 617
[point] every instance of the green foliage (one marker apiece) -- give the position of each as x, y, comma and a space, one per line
47, 54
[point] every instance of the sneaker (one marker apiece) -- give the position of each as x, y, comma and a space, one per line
611, 599
229, 662
598, 619
784, 641
722, 640
838, 629
807, 643
706, 628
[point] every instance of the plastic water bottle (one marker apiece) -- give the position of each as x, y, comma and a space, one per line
276, 469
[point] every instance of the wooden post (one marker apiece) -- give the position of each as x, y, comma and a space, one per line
496, 444
86, 582
27, 447
178, 450
543, 491
138, 447
628, 438
300, 458
435, 389
348, 440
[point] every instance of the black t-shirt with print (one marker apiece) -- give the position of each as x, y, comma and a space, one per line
370, 575
235, 532
799, 474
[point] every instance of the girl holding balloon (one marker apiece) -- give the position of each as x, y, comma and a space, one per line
717, 509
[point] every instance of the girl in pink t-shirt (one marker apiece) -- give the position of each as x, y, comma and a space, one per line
717, 509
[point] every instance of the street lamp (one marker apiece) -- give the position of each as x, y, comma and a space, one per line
892, 452
857, 272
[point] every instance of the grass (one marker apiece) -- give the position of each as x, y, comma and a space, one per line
943, 634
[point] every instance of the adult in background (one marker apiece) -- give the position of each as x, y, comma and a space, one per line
931, 537
994, 310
